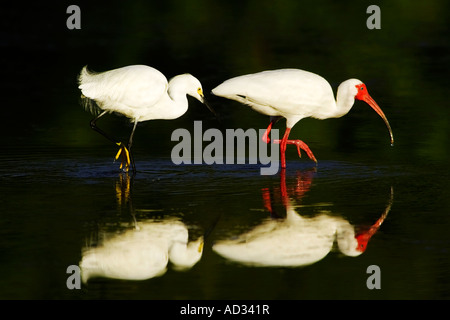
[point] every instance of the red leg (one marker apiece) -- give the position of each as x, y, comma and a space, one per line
283, 189
265, 137
266, 199
300, 144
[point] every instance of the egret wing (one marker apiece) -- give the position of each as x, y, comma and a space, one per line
132, 87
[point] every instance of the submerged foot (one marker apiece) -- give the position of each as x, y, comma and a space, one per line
124, 154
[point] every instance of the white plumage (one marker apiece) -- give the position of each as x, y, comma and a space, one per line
131, 91
297, 240
142, 253
295, 94
287, 92
292, 242
140, 93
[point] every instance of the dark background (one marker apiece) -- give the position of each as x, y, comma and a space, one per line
58, 184
404, 64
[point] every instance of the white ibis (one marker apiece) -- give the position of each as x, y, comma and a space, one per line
297, 240
140, 93
292, 242
295, 94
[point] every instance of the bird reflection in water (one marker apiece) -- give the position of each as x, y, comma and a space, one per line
297, 240
143, 251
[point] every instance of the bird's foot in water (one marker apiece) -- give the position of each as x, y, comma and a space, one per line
300, 145
124, 154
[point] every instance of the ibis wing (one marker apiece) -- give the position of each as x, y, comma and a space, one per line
279, 92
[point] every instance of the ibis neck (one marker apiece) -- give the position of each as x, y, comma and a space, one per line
344, 102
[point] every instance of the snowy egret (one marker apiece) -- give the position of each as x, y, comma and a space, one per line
295, 94
142, 252
140, 93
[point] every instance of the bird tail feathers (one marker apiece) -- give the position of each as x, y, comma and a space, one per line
85, 75
83, 80
90, 105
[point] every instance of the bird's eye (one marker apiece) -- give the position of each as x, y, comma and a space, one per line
200, 91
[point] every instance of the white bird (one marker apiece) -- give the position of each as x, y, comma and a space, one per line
292, 242
297, 240
140, 93
295, 94
143, 252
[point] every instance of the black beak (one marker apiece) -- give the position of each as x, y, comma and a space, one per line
210, 108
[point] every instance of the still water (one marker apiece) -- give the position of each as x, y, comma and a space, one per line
289, 236
225, 231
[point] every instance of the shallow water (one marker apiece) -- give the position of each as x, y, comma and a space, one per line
56, 209
62, 196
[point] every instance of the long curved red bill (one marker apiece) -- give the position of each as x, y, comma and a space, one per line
364, 96
368, 99
364, 236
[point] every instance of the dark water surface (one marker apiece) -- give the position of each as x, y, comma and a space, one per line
55, 209
63, 199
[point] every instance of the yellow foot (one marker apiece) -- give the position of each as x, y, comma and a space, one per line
125, 157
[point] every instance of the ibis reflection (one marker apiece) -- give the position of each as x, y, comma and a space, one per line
142, 251
296, 240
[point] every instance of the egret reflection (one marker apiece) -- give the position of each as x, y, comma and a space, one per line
297, 240
142, 251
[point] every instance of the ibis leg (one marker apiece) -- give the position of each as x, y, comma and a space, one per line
265, 137
300, 144
283, 147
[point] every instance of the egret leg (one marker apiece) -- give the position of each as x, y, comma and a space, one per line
94, 127
122, 151
127, 157
130, 142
